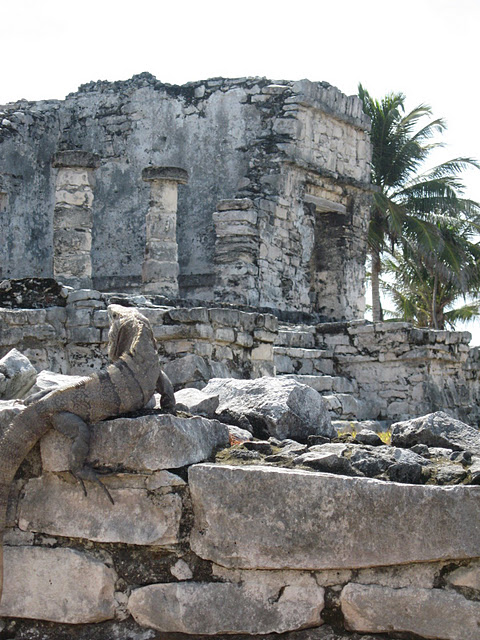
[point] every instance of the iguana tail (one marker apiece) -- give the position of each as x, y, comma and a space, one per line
16, 440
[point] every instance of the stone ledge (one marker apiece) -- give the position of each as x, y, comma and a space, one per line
320, 521
175, 174
241, 204
147, 443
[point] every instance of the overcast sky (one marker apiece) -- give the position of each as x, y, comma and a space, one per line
428, 49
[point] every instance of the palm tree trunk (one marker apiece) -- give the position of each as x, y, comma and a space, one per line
377, 314
434, 301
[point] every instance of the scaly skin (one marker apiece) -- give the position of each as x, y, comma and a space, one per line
122, 387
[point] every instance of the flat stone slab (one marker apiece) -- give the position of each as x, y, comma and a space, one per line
257, 517
60, 585
282, 408
146, 443
430, 613
254, 607
145, 512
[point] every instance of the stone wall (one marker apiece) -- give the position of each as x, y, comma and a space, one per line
73, 339
298, 151
222, 550
399, 372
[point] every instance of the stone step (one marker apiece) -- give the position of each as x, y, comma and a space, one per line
303, 337
303, 361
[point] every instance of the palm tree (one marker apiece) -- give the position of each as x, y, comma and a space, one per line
407, 206
426, 285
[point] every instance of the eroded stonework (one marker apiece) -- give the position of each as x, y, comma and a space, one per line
290, 159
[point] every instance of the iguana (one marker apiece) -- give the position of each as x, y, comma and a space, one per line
125, 385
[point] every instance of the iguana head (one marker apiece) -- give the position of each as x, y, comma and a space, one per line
126, 326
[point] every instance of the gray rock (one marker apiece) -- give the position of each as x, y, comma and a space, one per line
366, 436
196, 402
449, 474
474, 471
60, 585
253, 607
189, 371
406, 472
328, 458
146, 443
17, 375
143, 513
273, 407
370, 463
49, 380
237, 435
436, 430
429, 613
322, 521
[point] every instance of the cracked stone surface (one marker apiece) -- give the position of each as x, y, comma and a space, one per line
60, 585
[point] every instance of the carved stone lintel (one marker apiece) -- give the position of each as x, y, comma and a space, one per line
75, 158
175, 174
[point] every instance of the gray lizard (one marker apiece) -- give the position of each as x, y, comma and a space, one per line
125, 385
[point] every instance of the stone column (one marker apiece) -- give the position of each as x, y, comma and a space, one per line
160, 267
236, 252
72, 217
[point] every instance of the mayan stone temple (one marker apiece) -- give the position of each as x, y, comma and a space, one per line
257, 459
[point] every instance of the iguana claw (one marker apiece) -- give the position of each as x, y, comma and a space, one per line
87, 473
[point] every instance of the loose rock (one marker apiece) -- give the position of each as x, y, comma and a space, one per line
17, 375
273, 407
436, 430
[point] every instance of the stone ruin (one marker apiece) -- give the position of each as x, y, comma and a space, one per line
233, 213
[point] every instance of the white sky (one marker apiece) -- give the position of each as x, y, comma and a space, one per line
428, 49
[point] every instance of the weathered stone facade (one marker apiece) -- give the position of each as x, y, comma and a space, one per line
292, 157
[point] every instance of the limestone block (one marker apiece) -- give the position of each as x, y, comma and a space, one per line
71, 240
164, 195
273, 406
73, 265
161, 225
436, 430
154, 270
271, 518
147, 443
72, 218
162, 251
57, 507
429, 613
60, 585
197, 402
254, 607
17, 375
76, 198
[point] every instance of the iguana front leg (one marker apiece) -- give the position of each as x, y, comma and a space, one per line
72, 426
165, 389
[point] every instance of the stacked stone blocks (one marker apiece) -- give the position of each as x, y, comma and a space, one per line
73, 216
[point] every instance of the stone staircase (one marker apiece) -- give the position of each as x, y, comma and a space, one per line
297, 356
